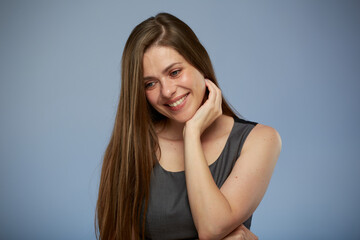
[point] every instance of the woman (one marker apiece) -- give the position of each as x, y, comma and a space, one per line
179, 164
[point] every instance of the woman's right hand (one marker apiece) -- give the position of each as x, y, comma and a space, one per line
241, 233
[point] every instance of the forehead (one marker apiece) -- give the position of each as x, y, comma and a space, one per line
157, 58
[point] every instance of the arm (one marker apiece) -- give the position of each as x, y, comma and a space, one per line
241, 233
217, 212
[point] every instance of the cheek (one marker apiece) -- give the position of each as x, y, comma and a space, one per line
203, 87
200, 84
150, 97
195, 80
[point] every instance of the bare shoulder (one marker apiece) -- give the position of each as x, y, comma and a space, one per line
248, 181
263, 137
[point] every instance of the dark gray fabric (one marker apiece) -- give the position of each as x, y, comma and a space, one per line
169, 216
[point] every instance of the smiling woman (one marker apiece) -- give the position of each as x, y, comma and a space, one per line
180, 164
174, 84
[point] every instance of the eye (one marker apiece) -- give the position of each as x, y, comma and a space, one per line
175, 73
149, 84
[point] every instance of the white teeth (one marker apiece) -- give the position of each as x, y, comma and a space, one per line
177, 102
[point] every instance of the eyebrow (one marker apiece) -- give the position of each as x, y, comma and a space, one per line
164, 71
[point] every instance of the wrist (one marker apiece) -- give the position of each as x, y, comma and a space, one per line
191, 131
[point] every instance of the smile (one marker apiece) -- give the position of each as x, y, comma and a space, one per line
178, 102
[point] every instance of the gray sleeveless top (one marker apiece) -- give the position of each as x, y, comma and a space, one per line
168, 215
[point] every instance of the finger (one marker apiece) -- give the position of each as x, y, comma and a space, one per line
217, 93
213, 93
209, 85
248, 233
214, 101
215, 88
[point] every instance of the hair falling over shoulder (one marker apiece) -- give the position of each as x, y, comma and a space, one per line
130, 155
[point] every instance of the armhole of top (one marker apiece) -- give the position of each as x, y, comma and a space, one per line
249, 127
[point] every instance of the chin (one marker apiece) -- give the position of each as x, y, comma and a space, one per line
182, 119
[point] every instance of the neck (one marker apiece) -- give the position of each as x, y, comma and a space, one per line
171, 130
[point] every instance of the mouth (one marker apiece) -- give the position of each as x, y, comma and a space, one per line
178, 104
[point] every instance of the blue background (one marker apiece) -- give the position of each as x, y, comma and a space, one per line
293, 65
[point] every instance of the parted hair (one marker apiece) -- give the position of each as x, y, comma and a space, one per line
130, 155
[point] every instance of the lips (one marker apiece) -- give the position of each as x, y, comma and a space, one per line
177, 103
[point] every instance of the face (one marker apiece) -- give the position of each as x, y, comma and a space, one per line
173, 86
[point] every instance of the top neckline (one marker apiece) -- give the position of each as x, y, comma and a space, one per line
213, 163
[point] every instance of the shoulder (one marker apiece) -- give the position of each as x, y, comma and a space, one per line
265, 132
263, 138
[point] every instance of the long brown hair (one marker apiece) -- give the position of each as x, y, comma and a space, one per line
130, 155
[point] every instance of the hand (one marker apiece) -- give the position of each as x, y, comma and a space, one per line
208, 112
241, 233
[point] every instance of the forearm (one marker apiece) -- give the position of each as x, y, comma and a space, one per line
210, 209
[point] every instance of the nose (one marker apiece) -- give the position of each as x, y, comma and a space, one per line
168, 88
